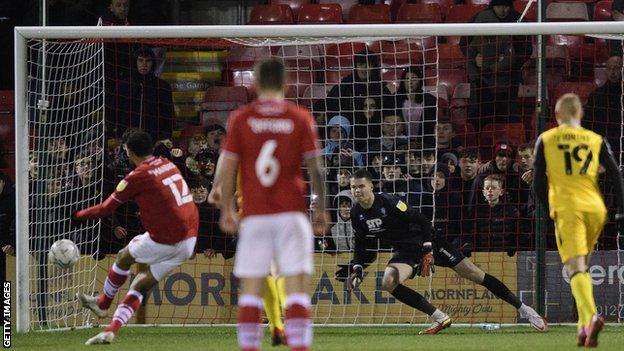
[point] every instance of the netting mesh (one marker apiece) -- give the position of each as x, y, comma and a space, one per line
431, 117
66, 120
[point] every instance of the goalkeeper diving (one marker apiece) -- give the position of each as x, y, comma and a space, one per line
384, 217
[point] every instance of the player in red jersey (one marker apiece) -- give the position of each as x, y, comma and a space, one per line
171, 221
270, 139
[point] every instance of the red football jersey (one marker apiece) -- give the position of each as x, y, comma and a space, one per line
165, 202
271, 139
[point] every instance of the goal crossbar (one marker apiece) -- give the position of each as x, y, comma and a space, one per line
356, 30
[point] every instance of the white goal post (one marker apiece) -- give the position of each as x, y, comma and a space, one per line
275, 33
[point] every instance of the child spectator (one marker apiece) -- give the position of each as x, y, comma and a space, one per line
524, 168
395, 183
210, 239
450, 160
342, 232
447, 203
498, 224
428, 160
339, 143
392, 134
446, 137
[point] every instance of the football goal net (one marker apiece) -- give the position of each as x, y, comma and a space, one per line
433, 111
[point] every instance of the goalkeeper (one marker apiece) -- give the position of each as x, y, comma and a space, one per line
385, 217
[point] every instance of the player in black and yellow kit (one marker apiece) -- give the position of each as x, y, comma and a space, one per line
274, 298
568, 159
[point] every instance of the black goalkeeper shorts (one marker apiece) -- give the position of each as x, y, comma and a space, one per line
444, 254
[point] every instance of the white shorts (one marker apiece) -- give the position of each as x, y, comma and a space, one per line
161, 258
285, 239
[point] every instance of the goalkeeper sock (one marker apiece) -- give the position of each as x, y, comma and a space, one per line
249, 322
125, 310
583, 293
413, 299
298, 322
272, 304
115, 279
281, 293
500, 290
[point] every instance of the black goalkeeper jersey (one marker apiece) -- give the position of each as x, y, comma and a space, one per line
391, 221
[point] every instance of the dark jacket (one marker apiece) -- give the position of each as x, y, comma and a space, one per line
603, 112
499, 228
152, 105
210, 236
341, 98
447, 207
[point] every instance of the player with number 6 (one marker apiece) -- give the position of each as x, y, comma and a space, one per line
171, 221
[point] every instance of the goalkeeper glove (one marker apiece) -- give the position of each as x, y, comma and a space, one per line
356, 277
426, 266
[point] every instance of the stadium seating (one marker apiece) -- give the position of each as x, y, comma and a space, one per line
445, 5
399, 53
492, 133
220, 101
241, 79
450, 56
320, 14
419, 13
465, 133
566, 12
449, 78
295, 5
297, 81
531, 14
363, 14
602, 10
341, 55
271, 14
463, 13
313, 93
582, 89
344, 4
334, 76
462, 91
301, 56
395, 7
244, 57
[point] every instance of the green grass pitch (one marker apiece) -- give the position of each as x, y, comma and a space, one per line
325, 339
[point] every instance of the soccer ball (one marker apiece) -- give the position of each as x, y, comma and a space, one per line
64, 253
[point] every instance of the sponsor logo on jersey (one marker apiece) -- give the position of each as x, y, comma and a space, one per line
374, 225
121, 186
402, 206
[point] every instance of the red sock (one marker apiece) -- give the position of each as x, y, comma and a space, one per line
125, 310
298, 322
249, 322
116, 278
